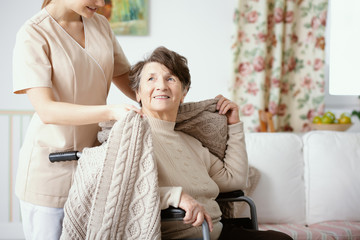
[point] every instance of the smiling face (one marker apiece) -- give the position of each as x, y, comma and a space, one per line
160, 92
70, 10
87, 8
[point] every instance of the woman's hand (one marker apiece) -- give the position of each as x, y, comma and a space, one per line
118, 111
228, 108
195, 212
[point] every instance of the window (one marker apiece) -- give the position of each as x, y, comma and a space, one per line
342, 52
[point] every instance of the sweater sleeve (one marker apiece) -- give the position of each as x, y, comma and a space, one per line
231, 173
170, 196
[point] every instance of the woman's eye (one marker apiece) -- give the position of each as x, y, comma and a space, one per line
150, 79
171, 79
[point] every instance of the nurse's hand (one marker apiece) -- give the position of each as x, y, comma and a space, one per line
118, 111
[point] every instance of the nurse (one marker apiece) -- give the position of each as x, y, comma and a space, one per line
65, 58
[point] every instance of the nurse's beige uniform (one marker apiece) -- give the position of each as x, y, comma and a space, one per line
46, 56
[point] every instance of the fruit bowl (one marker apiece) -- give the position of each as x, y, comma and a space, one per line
331, 126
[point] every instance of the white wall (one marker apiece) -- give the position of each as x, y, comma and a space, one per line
13, 16
200, 30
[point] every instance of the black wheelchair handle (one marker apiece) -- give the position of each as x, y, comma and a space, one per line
172, 214
64, 156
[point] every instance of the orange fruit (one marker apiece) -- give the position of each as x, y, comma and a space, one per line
330, 115
327, 119
345, 114
317, 120
344, 120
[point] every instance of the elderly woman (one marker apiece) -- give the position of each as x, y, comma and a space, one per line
190, 177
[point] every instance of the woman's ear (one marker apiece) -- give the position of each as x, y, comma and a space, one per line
184, 95
137, 96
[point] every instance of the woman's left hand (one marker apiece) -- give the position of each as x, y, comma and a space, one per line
228, 108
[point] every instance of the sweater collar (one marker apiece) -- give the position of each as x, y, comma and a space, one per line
158, 124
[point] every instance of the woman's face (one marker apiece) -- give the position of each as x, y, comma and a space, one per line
160, 92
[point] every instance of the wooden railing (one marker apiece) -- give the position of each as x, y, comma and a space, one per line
13, 128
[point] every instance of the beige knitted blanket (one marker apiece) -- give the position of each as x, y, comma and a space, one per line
115, 193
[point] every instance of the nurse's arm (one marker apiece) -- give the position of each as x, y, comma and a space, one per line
51, 111
122, 82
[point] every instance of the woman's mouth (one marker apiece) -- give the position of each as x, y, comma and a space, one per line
92, 9
161, 97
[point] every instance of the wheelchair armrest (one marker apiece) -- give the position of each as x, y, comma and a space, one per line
230, 196
177, 214
172, 214
237, 196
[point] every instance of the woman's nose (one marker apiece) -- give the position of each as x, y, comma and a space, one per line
161, 84
100, 3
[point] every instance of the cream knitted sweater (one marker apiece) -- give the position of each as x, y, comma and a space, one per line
185, 165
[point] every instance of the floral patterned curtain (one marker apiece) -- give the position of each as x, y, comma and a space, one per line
279, 61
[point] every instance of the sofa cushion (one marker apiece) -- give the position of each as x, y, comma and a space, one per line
297, 231
321, 231
332, 176
340, 230
279, 196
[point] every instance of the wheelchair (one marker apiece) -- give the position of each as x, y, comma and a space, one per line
177, 214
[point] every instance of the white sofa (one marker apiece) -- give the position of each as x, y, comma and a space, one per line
310, 183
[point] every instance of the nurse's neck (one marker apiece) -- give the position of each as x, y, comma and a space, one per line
62, 14
69, 20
